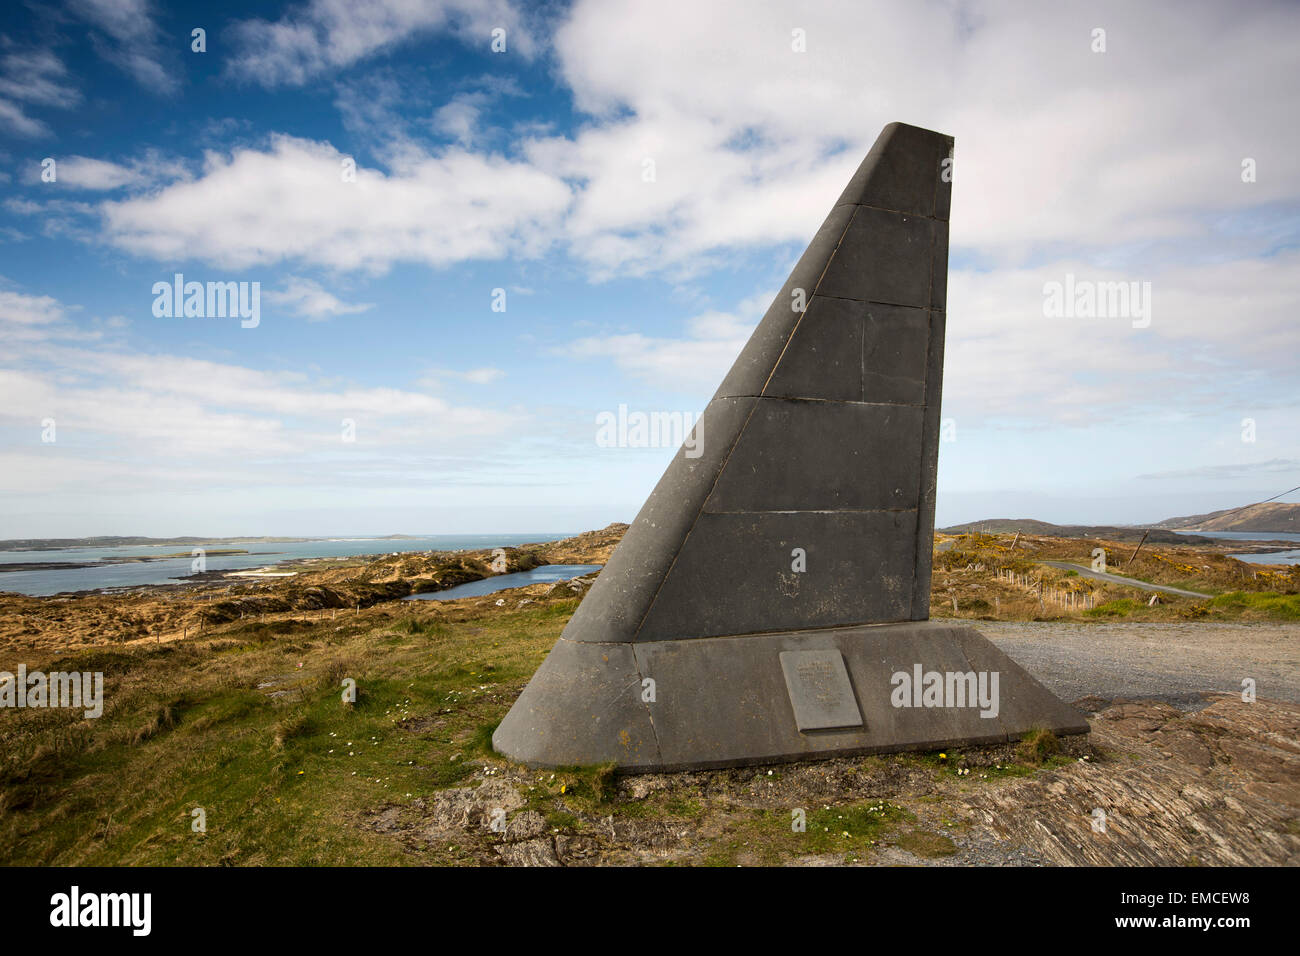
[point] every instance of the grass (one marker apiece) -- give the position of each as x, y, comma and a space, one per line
1265, 603
1120, 607
281, 778
591, 788
1038, 746
966, 584
252, 726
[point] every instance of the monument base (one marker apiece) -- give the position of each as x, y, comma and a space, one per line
774, 698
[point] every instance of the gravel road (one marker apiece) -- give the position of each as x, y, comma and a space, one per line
1174, 662
1127, 582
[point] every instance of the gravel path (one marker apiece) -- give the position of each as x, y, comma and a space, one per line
1173, 662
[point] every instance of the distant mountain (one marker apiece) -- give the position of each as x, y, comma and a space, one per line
1027, 525
1270, 517
1047, 529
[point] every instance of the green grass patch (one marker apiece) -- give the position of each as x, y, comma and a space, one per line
592, 787
562, 820
284, 772
1038, 745
1267, 603
417, 627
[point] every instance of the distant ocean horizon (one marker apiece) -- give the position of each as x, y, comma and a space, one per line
38, 582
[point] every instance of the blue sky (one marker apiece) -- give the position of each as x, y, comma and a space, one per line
525, 170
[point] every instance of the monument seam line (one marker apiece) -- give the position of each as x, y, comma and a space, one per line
925, 441
640, 673
900, 212
896, 305
806, 629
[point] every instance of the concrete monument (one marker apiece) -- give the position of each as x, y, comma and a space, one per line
771, 600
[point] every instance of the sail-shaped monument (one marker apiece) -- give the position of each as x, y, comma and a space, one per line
771, 600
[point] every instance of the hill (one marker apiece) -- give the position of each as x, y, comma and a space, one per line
1046, 528
1269, 517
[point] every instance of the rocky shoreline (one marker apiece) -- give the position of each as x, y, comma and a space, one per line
211, 599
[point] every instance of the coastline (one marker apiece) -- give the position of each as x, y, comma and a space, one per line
205, 602
75, 570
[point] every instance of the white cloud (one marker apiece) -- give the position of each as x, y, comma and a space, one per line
307, 298
104, 176
86, 173
751, 141
165, 414
695, 362
34, 77
325, 36
164, 417
1126, 146
434, 378
18, 122
459, 117
290, 203
1221, 334
131, 40
22, 309
484, 376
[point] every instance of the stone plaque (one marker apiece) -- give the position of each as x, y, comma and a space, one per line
819, 690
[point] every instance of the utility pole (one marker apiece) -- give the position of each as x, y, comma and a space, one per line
1137, 549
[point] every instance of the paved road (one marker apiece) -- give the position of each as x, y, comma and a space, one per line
1173, 662
1118, 579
